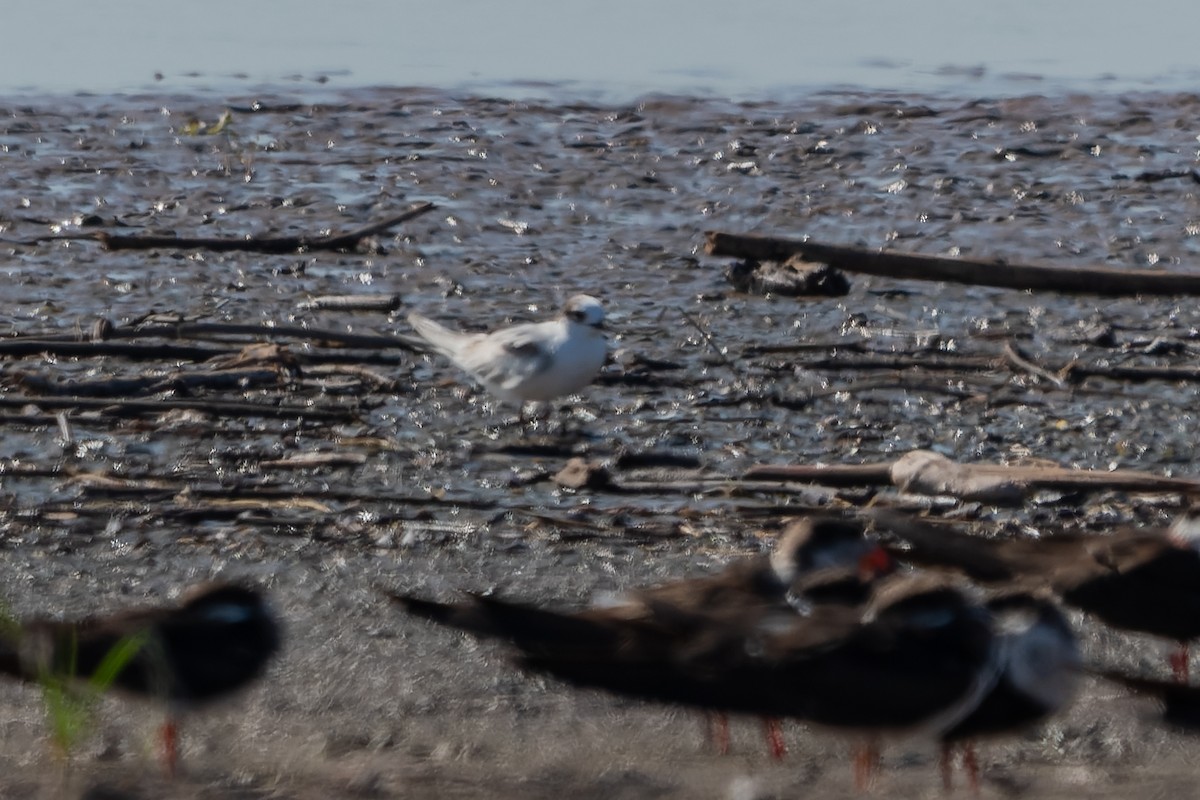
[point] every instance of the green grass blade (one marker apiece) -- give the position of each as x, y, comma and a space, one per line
71, 706
115, 660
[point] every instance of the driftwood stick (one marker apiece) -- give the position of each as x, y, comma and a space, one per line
1076, 371
16, 467
65, 431
1121, 480
841, 345
905, 382
348, 241
825, 474
802, 400
22, 347
130, 408
315, 459
261, 244
82, 346
353, 302
221, 331
901, 361
1017, 479
720, 487
563, 521
151, 384
147, 490
357, 371
320, 337
40, 420
977, 272
1167, 174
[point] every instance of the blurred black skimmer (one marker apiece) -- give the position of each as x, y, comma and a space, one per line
1145, 580
219, 639
919, 659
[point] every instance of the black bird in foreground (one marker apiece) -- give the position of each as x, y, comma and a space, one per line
808, 550
918, 659
216, 641
817, 561
1145, 580
1039, 673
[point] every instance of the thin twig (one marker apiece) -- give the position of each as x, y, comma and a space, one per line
1020, 362
709, 340
254, 244
261, 244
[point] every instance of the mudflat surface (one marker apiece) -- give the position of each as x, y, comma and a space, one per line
427, 486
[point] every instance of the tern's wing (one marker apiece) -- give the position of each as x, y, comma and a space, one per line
510, 357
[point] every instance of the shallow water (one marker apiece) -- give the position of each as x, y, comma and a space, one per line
616, 50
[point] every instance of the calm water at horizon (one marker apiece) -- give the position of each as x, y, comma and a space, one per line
612, 50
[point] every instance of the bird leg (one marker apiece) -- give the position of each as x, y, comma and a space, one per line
773, 730
946, 764
1179, 663
866, 764
170, 738
971, 766
718, 731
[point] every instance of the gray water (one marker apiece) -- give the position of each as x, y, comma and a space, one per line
613, 50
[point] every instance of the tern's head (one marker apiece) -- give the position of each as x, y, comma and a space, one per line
583, 309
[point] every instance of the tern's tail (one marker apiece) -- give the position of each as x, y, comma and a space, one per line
445, 341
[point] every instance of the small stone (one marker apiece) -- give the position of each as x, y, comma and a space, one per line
579, 473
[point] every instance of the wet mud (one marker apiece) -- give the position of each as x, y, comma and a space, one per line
416, 480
